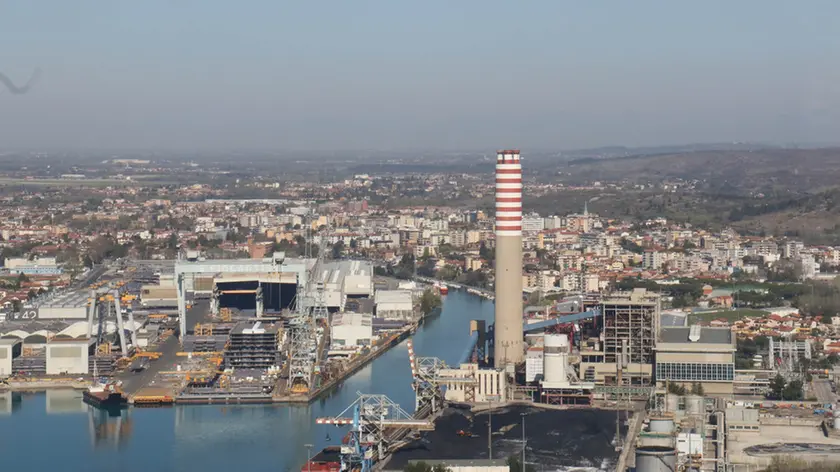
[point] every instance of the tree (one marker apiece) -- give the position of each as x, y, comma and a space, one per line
777, 387
172, 241
88, 262
697, 389
338, 250
676, 389
429, 301
793, 390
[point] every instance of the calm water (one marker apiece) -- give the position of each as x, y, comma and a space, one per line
55, 430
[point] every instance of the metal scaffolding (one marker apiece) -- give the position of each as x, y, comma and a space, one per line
631, 324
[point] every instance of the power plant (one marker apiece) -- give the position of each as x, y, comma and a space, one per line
508, 350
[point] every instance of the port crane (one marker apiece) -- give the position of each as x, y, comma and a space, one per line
377, 423
303, 352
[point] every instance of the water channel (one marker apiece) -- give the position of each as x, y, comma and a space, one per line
50, 431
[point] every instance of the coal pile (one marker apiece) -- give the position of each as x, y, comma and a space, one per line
557, 439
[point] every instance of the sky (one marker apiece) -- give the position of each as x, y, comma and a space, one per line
431, 74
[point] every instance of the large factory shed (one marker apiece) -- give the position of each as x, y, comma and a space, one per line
351, 329
697, 354
63, 305
353, 279
394, 304
68, 355
10, 348
241, 291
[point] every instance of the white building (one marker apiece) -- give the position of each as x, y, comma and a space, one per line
68, 356
9, 349
394, 304
652, 260
351, 329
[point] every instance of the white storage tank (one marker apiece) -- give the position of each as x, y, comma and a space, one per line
694, 405
661, 425
555, 358
557, 341
672, 403
656, 459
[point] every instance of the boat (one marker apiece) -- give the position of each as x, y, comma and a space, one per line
105, 396
443, 289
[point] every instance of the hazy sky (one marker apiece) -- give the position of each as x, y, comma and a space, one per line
404, 74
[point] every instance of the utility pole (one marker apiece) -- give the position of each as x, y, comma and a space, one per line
523, 442
490, 431
308, 457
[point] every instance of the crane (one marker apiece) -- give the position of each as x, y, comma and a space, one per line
377, 423
303, 343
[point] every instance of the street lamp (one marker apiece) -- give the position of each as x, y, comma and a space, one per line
523, 441
308, 457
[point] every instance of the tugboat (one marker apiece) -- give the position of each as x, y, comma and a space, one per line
443, 289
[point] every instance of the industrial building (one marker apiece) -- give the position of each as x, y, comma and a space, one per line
192, 274
624, 351
470, 384
10, 348
351, 330
696, 354
65, 355
394, 305
65, 305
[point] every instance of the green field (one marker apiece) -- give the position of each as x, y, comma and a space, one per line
730, 315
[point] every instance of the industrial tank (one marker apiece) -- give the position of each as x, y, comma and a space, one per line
672, 403
661, 425
557, 340
656, 459
694, 405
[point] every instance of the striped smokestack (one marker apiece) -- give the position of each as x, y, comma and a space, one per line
508, 330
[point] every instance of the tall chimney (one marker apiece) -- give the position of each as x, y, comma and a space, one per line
508, 322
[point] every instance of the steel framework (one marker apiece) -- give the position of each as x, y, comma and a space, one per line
377, 422
105, 306
425, 380
303, 344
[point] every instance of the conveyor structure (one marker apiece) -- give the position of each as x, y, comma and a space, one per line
373, 420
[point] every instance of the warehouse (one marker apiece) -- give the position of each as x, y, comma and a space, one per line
697, 355
394, 305
70, 305
351, 330
10, 348
66, 355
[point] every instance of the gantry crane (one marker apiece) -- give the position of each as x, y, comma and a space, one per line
103, 306
303, 342
377, 423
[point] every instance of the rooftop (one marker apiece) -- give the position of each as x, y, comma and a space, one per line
696, 334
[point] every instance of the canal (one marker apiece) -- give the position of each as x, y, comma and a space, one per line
54, 430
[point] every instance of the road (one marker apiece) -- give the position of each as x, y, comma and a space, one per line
822, 389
